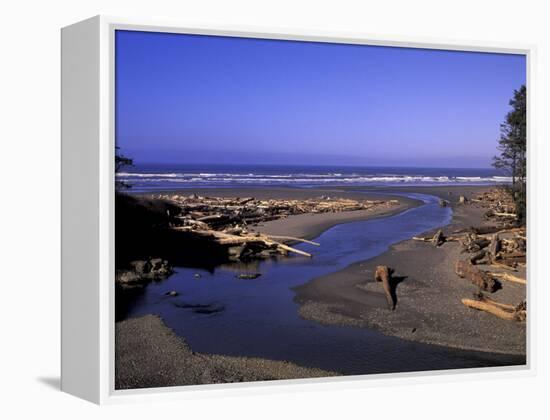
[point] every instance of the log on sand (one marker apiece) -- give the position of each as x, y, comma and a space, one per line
494, 247
505, 266
482, 298
419, 238
510, 215
383, 274
473, 243
293, 238
481, 279
479, 257
437, 240
494, 310
481, 230
508, 277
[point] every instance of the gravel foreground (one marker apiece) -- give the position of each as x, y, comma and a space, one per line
149, 354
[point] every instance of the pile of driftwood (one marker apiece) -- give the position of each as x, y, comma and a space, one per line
495, 252
499, 204
227, 221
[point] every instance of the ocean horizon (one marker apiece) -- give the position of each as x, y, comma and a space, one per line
158, 177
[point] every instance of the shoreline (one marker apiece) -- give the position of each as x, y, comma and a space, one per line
429, 308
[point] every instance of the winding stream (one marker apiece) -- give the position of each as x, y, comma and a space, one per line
220, 314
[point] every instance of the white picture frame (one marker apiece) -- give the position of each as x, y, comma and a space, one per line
88, 210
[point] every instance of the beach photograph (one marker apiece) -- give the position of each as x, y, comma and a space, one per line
297, 209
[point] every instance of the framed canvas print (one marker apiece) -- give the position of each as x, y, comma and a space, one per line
245, 208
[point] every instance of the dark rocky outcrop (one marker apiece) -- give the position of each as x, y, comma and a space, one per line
141, 272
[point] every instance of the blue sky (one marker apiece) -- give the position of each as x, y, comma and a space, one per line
204, 99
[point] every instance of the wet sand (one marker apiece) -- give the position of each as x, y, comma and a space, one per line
309, 226
429, 293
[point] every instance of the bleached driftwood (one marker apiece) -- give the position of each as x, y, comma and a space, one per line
293, 238
508, 277
503, 311
227, 239
296, 251
492, 309
510, 215
505, 266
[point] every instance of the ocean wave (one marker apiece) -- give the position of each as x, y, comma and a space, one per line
303, 178
128, 175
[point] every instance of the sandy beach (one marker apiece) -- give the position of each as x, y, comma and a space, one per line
429, 293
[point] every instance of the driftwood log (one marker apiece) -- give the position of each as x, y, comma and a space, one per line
511, 261
479, 257
511, 267
480, 230
437, 240
510, 215
501, 310
471, 242
492, 309
508, 277
482, 298
494, 247
257, 240
383, 274
481, 279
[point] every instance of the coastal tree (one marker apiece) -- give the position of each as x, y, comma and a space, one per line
513, 148
120, 162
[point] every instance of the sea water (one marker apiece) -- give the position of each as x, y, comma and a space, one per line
158, 177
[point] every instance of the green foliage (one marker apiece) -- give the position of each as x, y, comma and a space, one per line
513, 149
